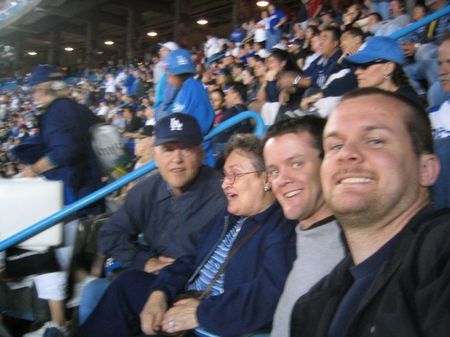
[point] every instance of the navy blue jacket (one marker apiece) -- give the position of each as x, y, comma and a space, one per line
409, 296
64, 129
170, 225
254, 278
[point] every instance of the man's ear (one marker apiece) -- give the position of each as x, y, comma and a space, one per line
429, 169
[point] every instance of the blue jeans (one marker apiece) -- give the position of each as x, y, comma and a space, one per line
90, 297
272, 39
117, 313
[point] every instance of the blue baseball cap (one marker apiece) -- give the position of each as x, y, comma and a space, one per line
378, 48
179, 62
44, 73
178, 127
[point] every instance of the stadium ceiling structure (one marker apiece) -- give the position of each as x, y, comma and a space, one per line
52, 27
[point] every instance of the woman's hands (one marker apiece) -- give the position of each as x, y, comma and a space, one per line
182, 316
155, 316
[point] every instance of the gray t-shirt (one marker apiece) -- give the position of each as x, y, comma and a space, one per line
319, 249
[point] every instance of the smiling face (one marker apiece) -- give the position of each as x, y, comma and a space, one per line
245, 195
370, 171
178, 164
293, 167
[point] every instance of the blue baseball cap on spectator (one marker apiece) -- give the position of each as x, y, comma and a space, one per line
44, 73
178, 127
378, 48
179, 62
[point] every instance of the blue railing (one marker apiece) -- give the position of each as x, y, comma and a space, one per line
103, 192
412, 27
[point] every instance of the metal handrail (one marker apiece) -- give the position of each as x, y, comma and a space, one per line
101, 193
68, 210
426, 20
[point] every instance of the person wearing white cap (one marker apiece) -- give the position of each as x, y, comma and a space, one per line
160, 68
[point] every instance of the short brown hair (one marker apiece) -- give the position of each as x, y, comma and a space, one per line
417, 121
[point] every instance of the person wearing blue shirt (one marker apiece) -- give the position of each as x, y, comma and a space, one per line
277, 19
191, 97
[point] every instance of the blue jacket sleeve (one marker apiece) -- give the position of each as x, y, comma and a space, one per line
252, 304
117, 237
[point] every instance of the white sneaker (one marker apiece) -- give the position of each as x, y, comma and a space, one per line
42, 331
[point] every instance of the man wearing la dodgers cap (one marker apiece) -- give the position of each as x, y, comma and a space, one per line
191, 98
169, 208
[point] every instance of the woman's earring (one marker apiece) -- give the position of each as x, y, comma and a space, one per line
266, 188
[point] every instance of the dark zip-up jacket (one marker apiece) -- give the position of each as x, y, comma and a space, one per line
254, 278
410, 295
171, 225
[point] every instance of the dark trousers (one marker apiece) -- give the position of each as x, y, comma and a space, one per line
117, 314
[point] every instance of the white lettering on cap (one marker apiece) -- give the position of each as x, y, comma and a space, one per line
181, 60
175, 125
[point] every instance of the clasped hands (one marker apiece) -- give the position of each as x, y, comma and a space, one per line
156, 315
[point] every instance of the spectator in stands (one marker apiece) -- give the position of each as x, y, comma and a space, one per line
277, 62
239, 297
328, 80
440, 115
137, 89
223, 78
64, 130
440, 122
191, 97
235, 102
379, 64
425, 52
132, 122
376, 174
65, 153
351, 40
399, 19
277, 19
262, 27
249, 80
217, 100
293, 155
164, 92
169, 209
381, 7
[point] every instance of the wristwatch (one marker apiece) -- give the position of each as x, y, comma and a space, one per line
296, 80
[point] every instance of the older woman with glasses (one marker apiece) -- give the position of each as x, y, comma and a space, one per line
379, 64
231, 285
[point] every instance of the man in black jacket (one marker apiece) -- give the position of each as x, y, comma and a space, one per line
376, 174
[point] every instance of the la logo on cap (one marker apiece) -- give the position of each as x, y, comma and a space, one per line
175, 125
181, 60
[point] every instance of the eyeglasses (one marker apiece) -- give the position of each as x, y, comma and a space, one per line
364, 66
233, 176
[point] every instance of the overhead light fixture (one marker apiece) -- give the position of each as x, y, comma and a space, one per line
262, 3
99, 52
152, 34
68, 49
32, 53
202, 22
109, 42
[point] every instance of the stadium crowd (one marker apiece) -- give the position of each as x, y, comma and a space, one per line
301, 74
